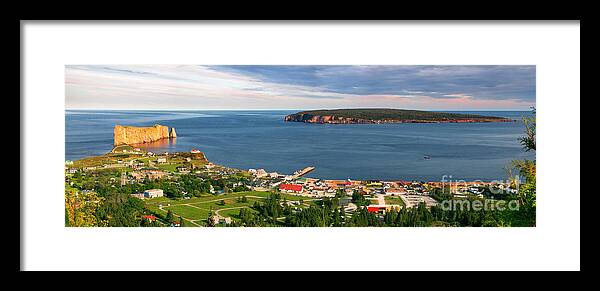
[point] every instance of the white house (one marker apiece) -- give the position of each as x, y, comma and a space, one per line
261, 173
152, 193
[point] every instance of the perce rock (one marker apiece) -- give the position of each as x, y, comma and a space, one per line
136, 135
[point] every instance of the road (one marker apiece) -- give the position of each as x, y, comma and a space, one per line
160, 207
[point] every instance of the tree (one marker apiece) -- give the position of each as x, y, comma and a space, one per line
169, 217
210, 221
527, 169
528, 141
80, 208
359, 199
120, 209
181, 221
67, 217
337, 218
247, 218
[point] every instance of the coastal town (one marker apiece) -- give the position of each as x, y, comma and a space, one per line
130, 166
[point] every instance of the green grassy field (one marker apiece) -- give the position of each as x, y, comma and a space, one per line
188, 212
197, 208
172, 167
229, 203
394, 200
233, 213
122, 148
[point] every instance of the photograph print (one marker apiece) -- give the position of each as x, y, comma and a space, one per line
300, 146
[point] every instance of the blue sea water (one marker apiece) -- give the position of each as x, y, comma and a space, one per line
261, 139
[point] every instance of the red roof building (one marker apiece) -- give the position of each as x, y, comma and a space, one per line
382, 208
291, 188
149, 217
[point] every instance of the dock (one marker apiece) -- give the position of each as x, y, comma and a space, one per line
304, 172
300, 173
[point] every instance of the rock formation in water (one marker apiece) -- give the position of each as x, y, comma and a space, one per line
173, 134
136, 135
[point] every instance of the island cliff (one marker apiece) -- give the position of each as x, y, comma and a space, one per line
377, 116
136, 135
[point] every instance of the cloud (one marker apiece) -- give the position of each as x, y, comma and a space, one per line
458, 96
278, 87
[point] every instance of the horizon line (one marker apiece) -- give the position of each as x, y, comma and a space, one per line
288, 109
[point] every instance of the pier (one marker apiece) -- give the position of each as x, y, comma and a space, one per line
302, 172
299, 174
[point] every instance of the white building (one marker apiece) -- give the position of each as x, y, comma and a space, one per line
261, 173
152, 193
225, 220
395, 191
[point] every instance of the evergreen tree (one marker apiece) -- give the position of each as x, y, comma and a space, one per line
210, 221
169, 217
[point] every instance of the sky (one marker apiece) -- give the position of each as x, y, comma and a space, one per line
299, 87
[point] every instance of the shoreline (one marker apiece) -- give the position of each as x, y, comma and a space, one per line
304, 175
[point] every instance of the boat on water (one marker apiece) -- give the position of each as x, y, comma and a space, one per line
426, 157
